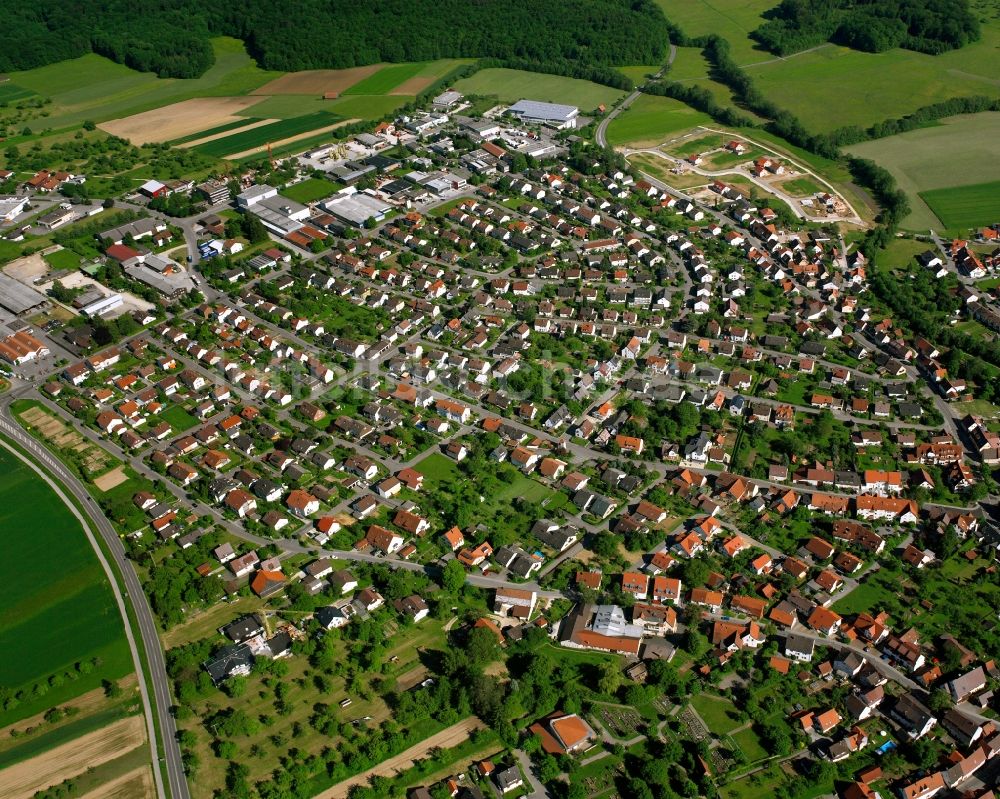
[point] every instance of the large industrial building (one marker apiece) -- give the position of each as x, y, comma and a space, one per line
535, 112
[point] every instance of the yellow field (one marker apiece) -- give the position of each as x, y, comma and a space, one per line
179, 119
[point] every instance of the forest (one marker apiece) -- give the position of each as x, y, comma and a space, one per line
928, 26
171, 37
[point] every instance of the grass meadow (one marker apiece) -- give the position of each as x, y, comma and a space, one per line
650, 120
510, 85
94, 88
965, 206
958, 151
56, 607
868, 87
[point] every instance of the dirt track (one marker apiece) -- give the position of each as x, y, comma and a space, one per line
452, 736
24, 779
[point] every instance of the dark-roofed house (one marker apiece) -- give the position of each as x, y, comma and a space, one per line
228, 662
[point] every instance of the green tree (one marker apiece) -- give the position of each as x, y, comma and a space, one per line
453, 577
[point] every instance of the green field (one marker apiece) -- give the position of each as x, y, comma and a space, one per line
274, 132
801, 187
92, 87
732, 19
748, 741
831, 87
178, 418
958, 151
56, 607
62, 259
965, 206
717, 712
310, 190
368, 106
11, 93
386, 79
510, 85
235, 125
639, 74
437, 469
650, 120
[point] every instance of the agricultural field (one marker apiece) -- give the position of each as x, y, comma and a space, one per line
965, 206
916, 161
179, 120
510, 85
403, 78
867, 87
650, 120
244, 140
57, 612
732, 19
92, 87
691, 68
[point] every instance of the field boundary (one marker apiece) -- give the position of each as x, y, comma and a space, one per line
405, 759
291, 139
138, 662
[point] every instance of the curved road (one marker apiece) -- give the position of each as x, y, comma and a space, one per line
599, 134
133, 590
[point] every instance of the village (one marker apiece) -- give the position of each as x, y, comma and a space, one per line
565, 402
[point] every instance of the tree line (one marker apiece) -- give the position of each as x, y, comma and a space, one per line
171, 37
928, 26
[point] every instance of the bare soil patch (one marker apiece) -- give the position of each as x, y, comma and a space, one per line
27, 269
290, 139
225, 133
113, 478
136, 784
414, 85
23, 780
452, 736
318, 81
66, 438
178, 119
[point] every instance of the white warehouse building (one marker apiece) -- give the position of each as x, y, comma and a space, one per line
535, 112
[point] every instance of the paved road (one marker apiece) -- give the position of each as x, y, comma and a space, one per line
602, 128
178, 788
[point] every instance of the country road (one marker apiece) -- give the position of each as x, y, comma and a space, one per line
600, 134
95, 520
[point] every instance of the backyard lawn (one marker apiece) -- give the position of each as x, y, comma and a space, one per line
717, 712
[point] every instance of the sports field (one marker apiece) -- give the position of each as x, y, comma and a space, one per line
56, 607
965, 206
959, 151
510, 85
650, 120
